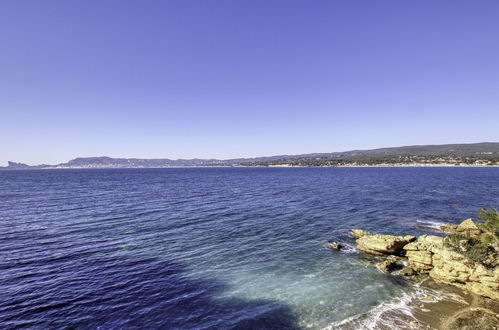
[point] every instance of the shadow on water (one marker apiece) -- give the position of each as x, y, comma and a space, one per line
129, 293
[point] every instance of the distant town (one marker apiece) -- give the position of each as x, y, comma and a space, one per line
477, 154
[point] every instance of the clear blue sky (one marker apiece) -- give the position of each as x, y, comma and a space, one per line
223, 79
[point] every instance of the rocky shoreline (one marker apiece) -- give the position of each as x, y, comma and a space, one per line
448, 307
433, 260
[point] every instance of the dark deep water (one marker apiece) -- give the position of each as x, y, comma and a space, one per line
215, 247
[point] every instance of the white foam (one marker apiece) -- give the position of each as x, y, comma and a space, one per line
404, 306
432, 224
346, 248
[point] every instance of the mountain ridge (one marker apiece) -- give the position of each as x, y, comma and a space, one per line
483, 153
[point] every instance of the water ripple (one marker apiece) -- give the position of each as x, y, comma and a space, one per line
213, 248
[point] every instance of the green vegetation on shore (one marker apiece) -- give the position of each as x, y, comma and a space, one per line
480, 248
466, 257
491, 218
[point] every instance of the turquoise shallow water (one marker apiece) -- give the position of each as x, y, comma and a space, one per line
214, 248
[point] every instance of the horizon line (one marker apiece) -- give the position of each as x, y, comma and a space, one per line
274, 155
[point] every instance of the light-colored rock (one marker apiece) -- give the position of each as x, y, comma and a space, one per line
426, 243
448, 254
460, 300
489, 281
451, 267
411, 247
430, 240
383, 244
481, 271
430, 255
468, 224
483, 290
358, 233
420, 268
468, 228
449, 228
423, 257
419, 253
407, 271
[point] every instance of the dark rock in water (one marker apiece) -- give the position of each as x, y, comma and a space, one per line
387, 265
407, 271
390, 264
335, 246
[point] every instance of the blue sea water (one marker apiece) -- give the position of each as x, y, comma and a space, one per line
213, 248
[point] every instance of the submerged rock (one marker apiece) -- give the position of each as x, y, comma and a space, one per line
387, 265
335, 246
383, 244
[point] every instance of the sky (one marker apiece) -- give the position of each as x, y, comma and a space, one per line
239, 78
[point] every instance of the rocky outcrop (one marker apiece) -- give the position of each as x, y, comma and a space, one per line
390, 264
386, 265
407, 271
383, 244
358, 233
419, 254
467, 228
450, 267
429, 255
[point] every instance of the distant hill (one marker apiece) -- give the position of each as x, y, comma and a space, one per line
484, 154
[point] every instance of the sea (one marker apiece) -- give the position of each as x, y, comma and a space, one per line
217, 248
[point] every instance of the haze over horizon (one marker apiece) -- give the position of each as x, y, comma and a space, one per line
227, 79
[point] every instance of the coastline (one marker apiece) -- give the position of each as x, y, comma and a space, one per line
454, 309
458, 310
455, 284
387, 165
257, 166
431, 305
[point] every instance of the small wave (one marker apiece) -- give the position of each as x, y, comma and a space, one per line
431, 224
348, 248
394, 314
345, 247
